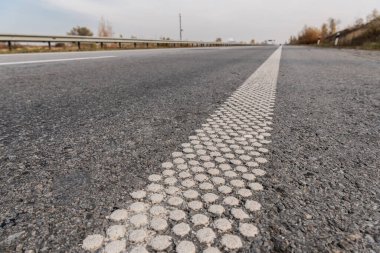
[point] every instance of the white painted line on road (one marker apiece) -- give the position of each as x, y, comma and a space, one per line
205, 198
55, 60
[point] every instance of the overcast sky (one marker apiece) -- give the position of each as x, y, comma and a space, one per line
205, 20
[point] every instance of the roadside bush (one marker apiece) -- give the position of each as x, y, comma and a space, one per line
80, 31
309, 35
60, 44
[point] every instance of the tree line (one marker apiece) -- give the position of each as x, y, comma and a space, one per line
311, 34
104, 29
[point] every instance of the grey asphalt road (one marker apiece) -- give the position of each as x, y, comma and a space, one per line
323, 183
78, 136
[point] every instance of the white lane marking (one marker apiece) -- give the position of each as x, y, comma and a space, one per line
55, 60
204, 199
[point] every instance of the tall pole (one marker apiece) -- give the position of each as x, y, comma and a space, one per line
180, 27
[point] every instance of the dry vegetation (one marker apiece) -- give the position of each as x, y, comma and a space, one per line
362, 34
68, 47
105, 28
80, 31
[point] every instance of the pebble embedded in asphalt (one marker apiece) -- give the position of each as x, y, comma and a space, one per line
196, 191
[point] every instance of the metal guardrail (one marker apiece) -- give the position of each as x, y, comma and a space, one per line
13, 38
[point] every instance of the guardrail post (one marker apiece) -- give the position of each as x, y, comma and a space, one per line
78, 45
147, 45
10, 46
119, 44
336, 42
134, 44
49, 44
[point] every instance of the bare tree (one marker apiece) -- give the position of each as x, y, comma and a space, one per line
292, 40
105, 28
218, 40
374, 15
324, 30
373, 29
333, 24
359, 22
253, 41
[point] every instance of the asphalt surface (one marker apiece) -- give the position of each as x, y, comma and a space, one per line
322, 189
78, 136
204, 199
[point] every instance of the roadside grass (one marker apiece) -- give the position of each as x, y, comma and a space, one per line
371, 46
375, 46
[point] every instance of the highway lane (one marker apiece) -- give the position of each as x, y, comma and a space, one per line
78, 136
49, 56
319, 191
322, 189
205, 197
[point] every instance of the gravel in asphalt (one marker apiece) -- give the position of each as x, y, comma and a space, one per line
222, 148
322, 189
78, 137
